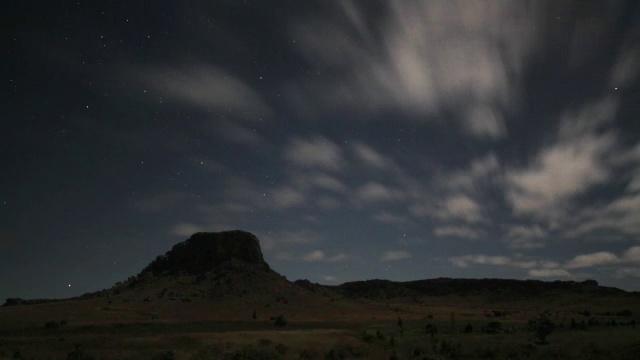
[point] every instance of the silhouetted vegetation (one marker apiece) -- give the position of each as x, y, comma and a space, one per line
542, 327
280, 321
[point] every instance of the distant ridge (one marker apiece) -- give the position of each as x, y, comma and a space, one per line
506, 288
230, 263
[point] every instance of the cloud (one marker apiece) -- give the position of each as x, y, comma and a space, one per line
328, 202
423, 57
481, 259
594, 259
460, 207
486, 121
626, 67
389, 218
286, 197
525, 237
370, 157
573, 164
458, 231
338, 257
321, 180
394, 256
186, 229
550, 273
239, 134
319, 255
317, 152
372, 192
329, 278
541, 268
208, 87
619, 216
286, 238
630, 256
316, 255
480, 170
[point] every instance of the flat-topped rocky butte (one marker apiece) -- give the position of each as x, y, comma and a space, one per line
204, 251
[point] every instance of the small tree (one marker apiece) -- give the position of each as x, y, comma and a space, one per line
254, 315
543, 327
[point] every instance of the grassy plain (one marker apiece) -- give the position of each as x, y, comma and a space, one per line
320, 327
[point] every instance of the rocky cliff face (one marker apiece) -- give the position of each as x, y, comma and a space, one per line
205, 251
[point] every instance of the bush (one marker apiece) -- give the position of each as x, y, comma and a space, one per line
52, 325
493, 327
253, 353
346, 351
366, 337
468, 329
78, 354
280, 321
543, 327
167, 355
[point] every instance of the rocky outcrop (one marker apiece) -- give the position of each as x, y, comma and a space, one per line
205, 251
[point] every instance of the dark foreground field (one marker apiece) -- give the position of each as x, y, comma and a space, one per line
319, 328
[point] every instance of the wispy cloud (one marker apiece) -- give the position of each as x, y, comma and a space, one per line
373, 192
186, 229
550, 273
319, 255
317, 152
394, 255
480, 171
426, 56
207, 87
286, 197
317, 179
460, 207
630, 256
576, 162
371, 157
525, 237
540, 268
495, 260
463, 232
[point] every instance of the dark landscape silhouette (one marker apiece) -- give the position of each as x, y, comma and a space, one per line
219, 284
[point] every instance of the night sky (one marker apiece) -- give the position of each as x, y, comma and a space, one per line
369, 139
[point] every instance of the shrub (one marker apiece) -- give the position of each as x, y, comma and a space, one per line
252, 353
542, 326
264, 342
52, 325
366, 337
280, 321
468, 329
78, 354
167, 355
493, 327
345, 352
281, 349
